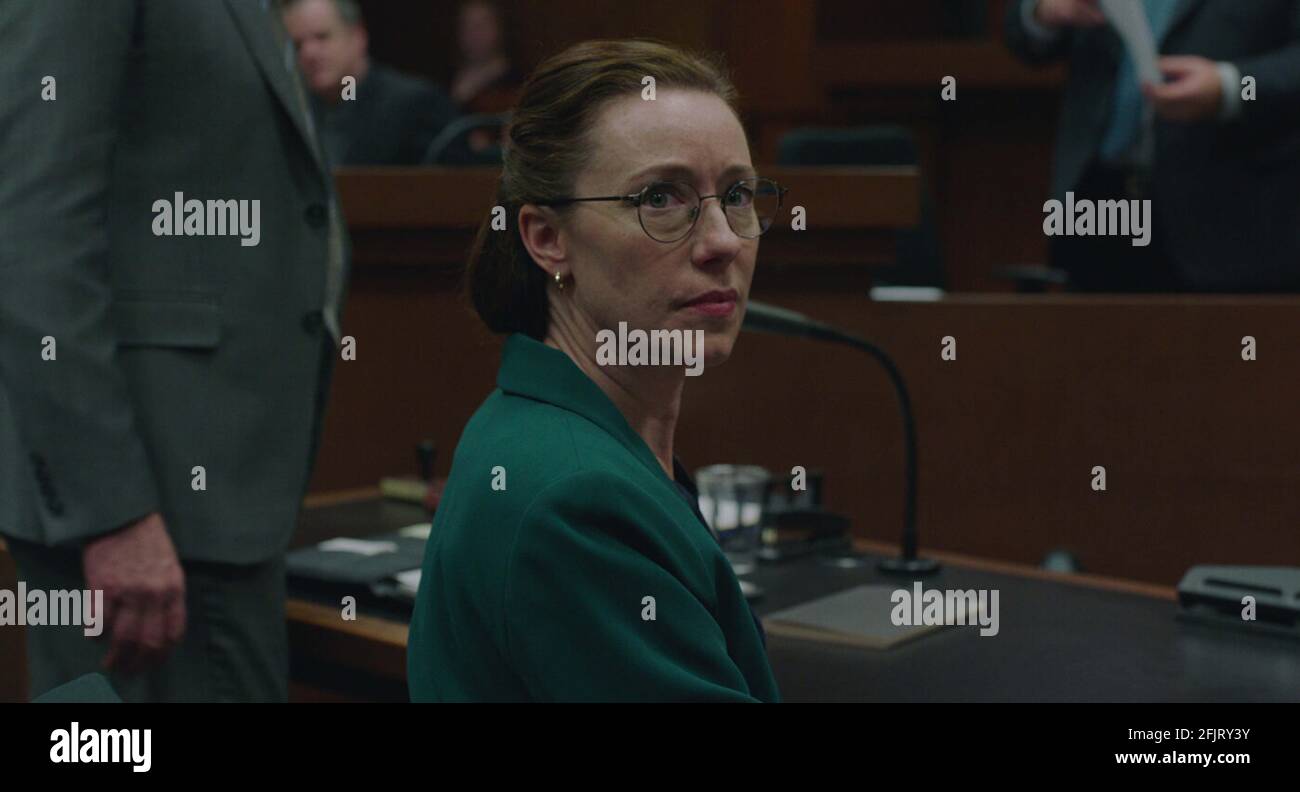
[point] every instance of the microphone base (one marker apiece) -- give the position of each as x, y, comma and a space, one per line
890, 566
908, 566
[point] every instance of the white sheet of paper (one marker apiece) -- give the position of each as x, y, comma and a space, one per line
409, 580
364, 547
1130, 20
417, 531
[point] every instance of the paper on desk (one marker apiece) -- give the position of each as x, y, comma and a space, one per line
417, 531
408, 581
364, 547
1130, 21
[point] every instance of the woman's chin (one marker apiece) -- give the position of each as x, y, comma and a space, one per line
717, 348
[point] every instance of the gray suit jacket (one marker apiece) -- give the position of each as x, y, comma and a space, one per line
171, 353
1226, 192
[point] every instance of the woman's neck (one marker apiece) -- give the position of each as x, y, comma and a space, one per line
649, 397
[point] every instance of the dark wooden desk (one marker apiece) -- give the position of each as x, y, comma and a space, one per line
333, 659
1071, 638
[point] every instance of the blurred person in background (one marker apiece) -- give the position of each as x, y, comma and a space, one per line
485, 80
1219, 164
385, 117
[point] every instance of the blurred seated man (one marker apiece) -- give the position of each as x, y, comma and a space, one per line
1215, 147
485, 80
384, 117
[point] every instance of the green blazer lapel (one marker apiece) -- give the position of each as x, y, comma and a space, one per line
536, 371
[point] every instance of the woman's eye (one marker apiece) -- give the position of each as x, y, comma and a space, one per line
741, 196
662, 197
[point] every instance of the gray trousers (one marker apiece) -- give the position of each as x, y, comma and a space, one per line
236, 645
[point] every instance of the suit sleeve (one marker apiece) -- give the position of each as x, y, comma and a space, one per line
1277, 80
584, 559
1022, 42
74, 412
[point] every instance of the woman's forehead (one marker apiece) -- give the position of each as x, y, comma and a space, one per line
691, 127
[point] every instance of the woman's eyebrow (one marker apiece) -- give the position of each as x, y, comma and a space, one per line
677, 171
743, 171
661, 171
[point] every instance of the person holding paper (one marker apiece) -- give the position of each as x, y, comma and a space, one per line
1214, 143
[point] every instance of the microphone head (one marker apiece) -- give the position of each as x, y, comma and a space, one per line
763, 318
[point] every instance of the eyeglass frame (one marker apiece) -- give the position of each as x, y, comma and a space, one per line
636, 198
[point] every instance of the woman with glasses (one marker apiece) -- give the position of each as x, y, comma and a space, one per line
568, 558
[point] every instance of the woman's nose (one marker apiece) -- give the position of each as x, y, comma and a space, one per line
714, 232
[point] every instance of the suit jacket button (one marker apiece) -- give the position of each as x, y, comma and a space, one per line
312, 321
316, 216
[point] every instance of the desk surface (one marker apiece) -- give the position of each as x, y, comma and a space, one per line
1076, 638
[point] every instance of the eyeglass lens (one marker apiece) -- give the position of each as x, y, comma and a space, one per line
668, 210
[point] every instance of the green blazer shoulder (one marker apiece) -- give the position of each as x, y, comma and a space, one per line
565, 565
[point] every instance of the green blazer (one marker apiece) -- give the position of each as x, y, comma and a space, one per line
556, 525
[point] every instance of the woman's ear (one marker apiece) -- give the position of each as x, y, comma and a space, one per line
539, 229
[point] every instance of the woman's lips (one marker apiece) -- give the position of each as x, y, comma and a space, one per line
714, 308
716, 303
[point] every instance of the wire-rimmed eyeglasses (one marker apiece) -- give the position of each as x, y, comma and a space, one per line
668, 210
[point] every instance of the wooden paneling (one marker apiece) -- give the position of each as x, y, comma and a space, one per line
424, 361
421, 37
453, 199
457, 199
922, 64
984, 157
1199, 445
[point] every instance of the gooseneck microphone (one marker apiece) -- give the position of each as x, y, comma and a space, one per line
763, 318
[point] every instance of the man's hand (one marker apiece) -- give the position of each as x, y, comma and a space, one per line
1193, 93
144, 592
1068, 13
